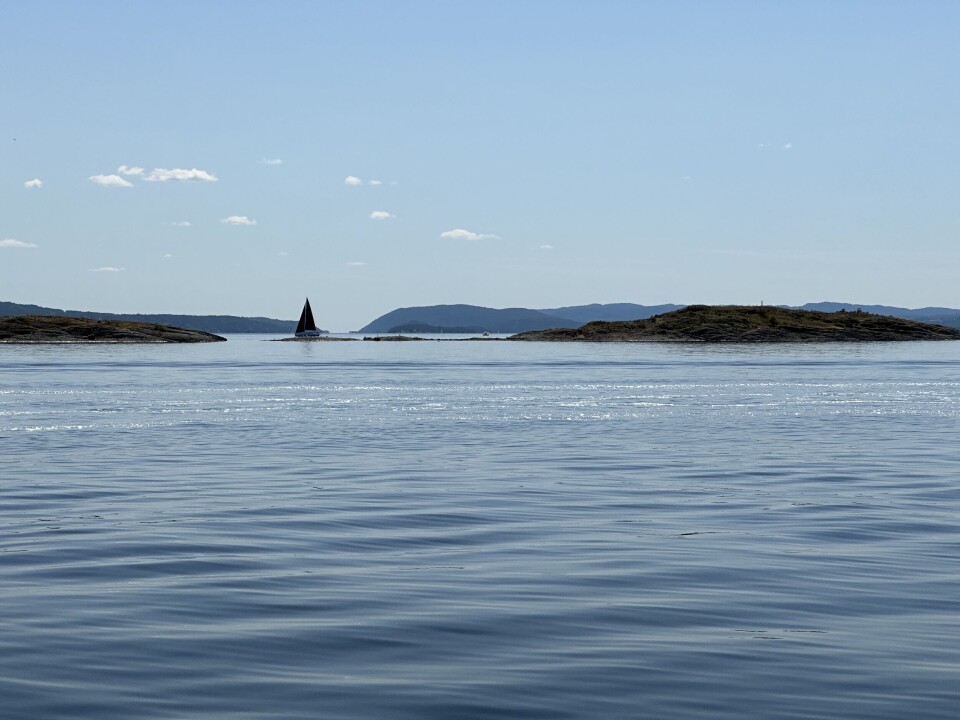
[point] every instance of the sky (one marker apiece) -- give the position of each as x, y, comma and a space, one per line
236, 157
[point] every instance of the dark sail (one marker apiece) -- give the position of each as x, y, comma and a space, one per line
306, 326
308, 317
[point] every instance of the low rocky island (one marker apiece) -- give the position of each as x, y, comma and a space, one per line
749, 324
314, 338
37, 329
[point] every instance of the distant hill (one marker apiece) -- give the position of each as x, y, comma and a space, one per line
424, 328
206, 323
453, 318
473, 318
610, 311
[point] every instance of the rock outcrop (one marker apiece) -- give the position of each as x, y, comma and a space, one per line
59, 329
749, 324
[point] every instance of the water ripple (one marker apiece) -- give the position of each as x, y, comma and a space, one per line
479, 531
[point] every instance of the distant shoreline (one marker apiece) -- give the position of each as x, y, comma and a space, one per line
691, 324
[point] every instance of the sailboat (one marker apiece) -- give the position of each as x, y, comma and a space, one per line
307, 327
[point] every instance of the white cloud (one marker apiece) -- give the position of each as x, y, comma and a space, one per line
167, 255
182, 223
787, 146
35, 183
374, 182
272, 161
134, 171
106, 269
546, 247
461, 234
381, 215
352, 180
239, 220
284, 253
11, 243
179, 174
356, 263
109, 181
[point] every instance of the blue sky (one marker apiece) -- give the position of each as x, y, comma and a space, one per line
193, 157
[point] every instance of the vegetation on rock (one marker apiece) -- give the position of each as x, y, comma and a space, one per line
749, 324
60, 329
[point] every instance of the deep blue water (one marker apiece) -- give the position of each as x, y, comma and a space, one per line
479, 530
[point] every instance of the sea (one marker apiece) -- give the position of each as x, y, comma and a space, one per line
458, 530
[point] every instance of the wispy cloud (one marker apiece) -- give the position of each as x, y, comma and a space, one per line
381, 215
461, 234
167, 255
352, 180
109, 181
374, 182
546, 247
788, 146
272, 161
284, 253
107, 269
132, 171
356, 263
11, 243
35, 183
182, 223
179, 174
239, 220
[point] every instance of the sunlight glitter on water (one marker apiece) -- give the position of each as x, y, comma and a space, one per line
492, 535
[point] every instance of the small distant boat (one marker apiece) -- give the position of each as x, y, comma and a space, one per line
307, 327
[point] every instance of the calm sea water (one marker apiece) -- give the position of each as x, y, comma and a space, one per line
479, 530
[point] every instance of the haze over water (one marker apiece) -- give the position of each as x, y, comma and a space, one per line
479, 530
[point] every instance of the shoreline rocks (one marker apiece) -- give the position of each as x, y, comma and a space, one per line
749, 324
51, 329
